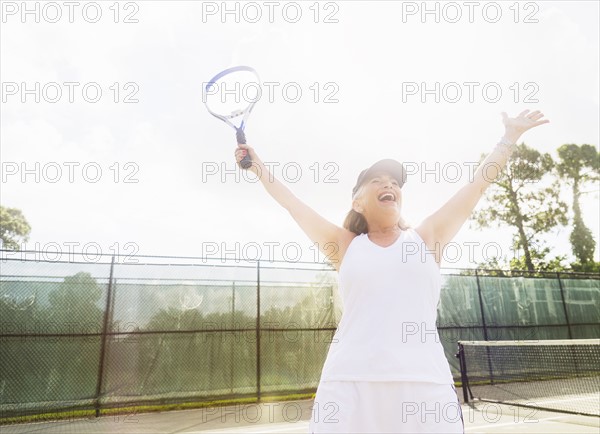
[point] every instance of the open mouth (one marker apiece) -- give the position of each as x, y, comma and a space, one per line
387, 197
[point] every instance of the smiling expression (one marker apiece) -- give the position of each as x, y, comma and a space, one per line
380, 192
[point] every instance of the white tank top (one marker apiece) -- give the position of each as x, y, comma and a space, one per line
388, 331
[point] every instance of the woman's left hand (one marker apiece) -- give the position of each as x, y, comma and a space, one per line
514, 127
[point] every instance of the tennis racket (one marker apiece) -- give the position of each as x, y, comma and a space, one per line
230, 96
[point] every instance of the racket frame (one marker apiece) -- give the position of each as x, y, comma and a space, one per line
245, 112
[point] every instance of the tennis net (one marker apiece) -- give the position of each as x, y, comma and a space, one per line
556, 375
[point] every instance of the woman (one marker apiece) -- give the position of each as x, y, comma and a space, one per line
386, 370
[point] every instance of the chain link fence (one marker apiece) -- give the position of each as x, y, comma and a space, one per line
121, 331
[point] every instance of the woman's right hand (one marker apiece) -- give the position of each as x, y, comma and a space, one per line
241, 152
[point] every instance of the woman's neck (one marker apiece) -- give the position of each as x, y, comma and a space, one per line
383, 231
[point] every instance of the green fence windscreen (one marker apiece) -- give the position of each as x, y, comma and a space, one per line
181, 330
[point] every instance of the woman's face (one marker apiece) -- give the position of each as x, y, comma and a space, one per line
380, 195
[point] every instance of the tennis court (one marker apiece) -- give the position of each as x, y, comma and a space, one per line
159, 273
280, 348
481, 417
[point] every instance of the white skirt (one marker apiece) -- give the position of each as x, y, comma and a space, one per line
385, 407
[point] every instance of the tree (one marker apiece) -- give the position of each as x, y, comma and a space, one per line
579, 165
515, 198
74, 303
14, 228
540, 258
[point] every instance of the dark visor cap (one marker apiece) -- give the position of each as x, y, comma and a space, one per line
393, 167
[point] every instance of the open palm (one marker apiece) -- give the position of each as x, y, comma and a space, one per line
523, 122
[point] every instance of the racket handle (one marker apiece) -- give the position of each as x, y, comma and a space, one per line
246, 162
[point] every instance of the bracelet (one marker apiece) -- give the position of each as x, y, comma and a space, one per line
506, 147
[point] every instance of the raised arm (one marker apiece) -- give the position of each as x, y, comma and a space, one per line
331, 240
440, 227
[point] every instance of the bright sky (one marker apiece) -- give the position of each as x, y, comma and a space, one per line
359, 55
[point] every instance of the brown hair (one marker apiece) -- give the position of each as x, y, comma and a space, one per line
357, 223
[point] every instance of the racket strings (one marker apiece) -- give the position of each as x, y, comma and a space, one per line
231, 95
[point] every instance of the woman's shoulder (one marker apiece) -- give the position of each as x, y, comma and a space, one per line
348, 238
345, 240
425, 231
427, 236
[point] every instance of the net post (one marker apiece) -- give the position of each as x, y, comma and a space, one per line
463, 372
562, 297
103, 337
258, 330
